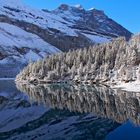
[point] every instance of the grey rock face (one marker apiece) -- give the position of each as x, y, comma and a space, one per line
92, 21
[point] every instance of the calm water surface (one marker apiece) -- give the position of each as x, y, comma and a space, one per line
67, 112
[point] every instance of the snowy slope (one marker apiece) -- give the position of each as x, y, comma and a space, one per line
64, 19
16, 10
97, 38
15, 36
18, 47
14, 39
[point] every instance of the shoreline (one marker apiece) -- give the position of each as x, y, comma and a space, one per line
128, 87
1, 79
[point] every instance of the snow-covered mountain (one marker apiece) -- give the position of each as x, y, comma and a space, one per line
27, 33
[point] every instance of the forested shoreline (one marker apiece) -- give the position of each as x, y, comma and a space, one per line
110, 62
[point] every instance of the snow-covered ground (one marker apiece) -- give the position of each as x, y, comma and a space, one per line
12, 35
131, 86
13, 38
97, 38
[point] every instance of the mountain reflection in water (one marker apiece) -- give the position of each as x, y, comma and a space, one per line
61, 117
67, 112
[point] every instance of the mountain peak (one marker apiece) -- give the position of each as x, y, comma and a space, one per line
79, 6
90, 9
64, 7
96, 11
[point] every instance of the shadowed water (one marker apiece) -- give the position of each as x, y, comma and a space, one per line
62, 111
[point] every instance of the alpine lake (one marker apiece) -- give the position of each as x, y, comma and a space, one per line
67, 112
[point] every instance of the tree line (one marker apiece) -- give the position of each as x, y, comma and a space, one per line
112, 61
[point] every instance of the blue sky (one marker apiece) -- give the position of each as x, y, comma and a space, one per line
125, 12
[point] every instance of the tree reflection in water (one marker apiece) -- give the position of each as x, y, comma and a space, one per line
102, 101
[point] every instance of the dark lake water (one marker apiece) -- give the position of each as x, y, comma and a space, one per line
67, 112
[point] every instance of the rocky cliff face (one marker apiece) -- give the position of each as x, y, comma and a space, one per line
91, 22
27, 33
